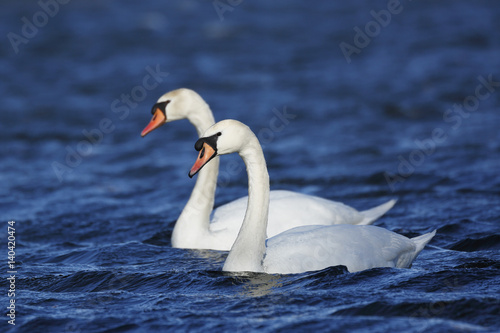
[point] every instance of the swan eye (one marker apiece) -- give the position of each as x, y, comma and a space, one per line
219, 133
202, 152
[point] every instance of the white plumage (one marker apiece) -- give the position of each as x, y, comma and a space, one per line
304, 248
195, 230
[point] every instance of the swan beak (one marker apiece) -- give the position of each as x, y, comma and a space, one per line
205, 155
158, 120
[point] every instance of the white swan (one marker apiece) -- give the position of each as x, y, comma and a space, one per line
300, 249
194, 229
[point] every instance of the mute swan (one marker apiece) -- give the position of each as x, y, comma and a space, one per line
288, 209
300, 249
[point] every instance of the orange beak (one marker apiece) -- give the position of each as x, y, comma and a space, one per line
205, 155
158, 120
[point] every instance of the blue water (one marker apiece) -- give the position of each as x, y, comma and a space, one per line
95, 204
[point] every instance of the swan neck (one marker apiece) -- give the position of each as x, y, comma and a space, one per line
200, 116
194, 222
248, 250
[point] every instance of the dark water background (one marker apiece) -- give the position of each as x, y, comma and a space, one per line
93, 239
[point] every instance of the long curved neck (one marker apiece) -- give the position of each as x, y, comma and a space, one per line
200, 116
194, 221
249, 249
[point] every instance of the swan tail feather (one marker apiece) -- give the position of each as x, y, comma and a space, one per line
371, 215
421, 241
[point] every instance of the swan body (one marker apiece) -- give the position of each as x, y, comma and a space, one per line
303, 248
357, 247
194, 229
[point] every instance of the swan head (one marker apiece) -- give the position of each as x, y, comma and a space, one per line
174, 105
225, 137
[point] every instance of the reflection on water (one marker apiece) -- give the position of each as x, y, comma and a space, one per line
259, 284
